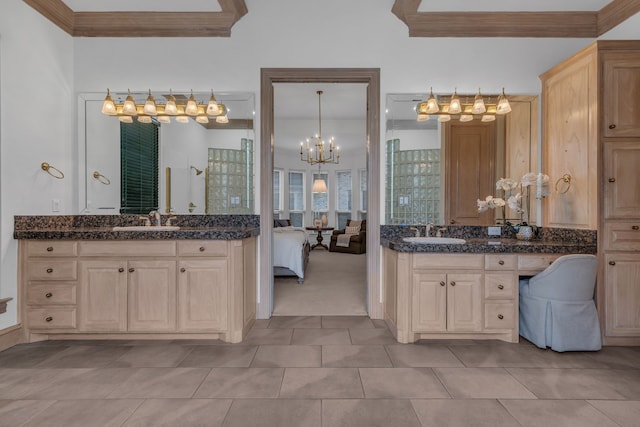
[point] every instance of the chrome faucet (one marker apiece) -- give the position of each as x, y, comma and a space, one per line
428, 229
416, 229
156, 217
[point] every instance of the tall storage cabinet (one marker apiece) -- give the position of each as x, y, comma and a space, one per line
591, 131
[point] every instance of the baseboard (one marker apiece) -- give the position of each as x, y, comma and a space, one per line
11, 336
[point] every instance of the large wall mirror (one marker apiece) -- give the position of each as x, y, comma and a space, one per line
197, 167
435, 170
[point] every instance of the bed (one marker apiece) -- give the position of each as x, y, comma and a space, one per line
290, 252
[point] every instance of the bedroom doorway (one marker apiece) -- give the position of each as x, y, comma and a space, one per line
369, 79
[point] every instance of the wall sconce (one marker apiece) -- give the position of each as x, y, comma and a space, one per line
464, 108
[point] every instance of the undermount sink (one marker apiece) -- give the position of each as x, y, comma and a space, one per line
146, 228
434, 240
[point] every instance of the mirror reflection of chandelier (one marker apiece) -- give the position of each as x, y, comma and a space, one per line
314, 150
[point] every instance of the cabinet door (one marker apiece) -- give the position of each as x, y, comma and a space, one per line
621, 94
103, 296
621, 189
152, 296
464, 302
622, 283
429, 302
202, 295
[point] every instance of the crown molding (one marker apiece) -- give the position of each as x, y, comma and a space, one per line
513, 24
142, 24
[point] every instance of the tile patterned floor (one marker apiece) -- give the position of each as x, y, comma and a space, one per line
316, 371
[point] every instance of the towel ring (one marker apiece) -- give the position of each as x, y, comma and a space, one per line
566, 178
101, 178
47, 168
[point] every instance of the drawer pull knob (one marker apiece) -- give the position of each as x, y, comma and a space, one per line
500, 316
453, 221
612, 263
612, 180
182, 270
635, 227
49, 270
442, 283
201, 248
453, 283
131, 270
50, 249
49, 319
120, 270
48, 295
612, 126
501, 262
501, 287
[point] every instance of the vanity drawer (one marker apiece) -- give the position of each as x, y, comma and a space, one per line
500, 262
439, 261
52, 270
137, 248
536, 263
202, 247
499, 315
52, 318
500, 286
622, 236
58, 294
50, 248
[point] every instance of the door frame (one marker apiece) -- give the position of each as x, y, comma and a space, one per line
369, 76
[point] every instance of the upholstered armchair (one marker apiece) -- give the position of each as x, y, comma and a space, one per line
357, 242
557, 309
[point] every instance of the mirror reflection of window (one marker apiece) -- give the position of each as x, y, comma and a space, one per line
296, 198
139, 167
343, 198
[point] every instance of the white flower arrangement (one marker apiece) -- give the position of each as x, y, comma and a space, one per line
520, 201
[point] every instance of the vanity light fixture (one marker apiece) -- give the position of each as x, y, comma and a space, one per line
463, 107
314, 152
147, 109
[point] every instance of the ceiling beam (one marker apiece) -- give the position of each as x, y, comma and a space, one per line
142, 24
615, 13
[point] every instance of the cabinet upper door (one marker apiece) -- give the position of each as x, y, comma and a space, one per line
621, 189
621, 100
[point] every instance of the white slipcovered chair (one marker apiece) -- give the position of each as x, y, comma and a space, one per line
557, 309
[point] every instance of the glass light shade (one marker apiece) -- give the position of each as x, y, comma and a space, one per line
170, 108
444, 118
182, 119
478, 105
212, 106
202, 119
454, 106
488, 118
126, 119
432, 104
192, 107
129, 107
222, 119
108, 107
422, 117
503, 105
319, 186
466, 118
164, 119
150, 105
144, 119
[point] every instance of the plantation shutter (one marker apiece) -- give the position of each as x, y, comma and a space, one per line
139, 167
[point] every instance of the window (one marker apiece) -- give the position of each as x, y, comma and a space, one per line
343, 198
139, 167
363, 193
320, 201
296, 198
278, 193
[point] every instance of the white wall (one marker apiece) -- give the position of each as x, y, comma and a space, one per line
43, 66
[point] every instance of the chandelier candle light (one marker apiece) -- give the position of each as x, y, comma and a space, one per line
314, 153
466, 109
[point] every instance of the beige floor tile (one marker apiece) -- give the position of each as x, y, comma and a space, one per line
17, 412
261, 323
17, 383
566, 413
422, 356
482, 383
82, 383
320, 336
368, 413
85, 413
446, 342
241, 383
347, 322
517, 356
152, 356
290, 322
355, 356
625, 413
617, 357
24, 356
462, 413
288, 356
401, 383
371, 336
179, 412
274, 412
379, 324
81, 356
232, 356
160, 383
580, 383
321, 383
268, 336
198, 341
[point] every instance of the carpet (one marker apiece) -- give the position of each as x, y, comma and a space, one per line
334, 284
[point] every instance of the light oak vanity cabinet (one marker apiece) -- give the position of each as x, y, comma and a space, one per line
151, 288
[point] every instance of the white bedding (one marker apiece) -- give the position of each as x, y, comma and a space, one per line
288, 245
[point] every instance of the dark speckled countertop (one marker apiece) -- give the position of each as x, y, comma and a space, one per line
99, 227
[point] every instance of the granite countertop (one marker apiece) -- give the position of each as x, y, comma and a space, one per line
106, 233
483, 245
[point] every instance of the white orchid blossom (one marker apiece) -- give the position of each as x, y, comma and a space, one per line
490, 203
506, 184
514, 202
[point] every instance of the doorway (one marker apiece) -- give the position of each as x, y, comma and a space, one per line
371, 77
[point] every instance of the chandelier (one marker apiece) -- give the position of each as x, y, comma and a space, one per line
465, 108
177, 106
314, 151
